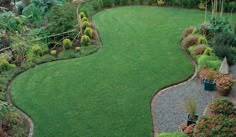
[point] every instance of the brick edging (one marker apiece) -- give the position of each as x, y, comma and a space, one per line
158, 93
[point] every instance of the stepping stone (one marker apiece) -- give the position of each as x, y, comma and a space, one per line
224, 68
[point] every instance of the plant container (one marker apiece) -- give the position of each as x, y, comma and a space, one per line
191, 121
209, 85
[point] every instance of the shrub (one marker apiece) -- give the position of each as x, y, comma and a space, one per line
199, 50
82, 15
67, 43
187, 32
208, 61
224, 45
84, 19
85, 40
37, 50
45, 58
53, 52
89, 32
215, 126
189, 41
85, 24
108, 3
202, 40
68, 54
57, 24
222, 106
5, 65
209, 51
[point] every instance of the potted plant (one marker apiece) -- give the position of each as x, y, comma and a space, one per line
209, 80
160, 2
190, 106
224, 83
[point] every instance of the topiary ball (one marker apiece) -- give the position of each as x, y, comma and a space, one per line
89, 32
37, 50
67, 43
85, 40
85, 24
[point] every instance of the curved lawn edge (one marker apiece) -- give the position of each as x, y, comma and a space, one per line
164, 89
30, 124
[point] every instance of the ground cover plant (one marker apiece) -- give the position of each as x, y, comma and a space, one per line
109, 93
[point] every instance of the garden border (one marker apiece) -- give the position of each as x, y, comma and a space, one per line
164, 89
25, 116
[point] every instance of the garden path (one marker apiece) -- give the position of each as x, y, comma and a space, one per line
167, 107
168, 110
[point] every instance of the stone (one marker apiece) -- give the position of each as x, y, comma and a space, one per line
224, 68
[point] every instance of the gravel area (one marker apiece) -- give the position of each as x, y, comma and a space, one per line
233, 70
168, 109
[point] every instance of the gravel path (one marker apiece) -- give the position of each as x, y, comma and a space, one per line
168, 110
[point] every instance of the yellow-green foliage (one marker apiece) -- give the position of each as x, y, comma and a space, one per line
67, 43
85, 24
53, 52
85, 40
209, 61
84, 19
89, 32
5, 65
202, 40
37, 50
209, 51
82, 15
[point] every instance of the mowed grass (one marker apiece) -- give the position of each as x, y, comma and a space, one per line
108, 94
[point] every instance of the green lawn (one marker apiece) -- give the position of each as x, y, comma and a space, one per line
108, 94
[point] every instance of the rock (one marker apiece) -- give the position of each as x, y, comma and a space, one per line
224, 68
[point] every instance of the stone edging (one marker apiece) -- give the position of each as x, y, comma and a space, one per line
154, 98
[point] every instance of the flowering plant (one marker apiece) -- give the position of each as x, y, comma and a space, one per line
224, 81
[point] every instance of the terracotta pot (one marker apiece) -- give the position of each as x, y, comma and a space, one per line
222, 91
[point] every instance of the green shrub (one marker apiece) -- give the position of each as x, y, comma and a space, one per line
89, 32
37, 50
45, 58
5, 65
209, 61
62, 18
67, 43
87, 50
85, 24
209, 51
53, 52
85, 40
202, 40
224, 45
68, 54
84, 19
108, 3
82, 15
